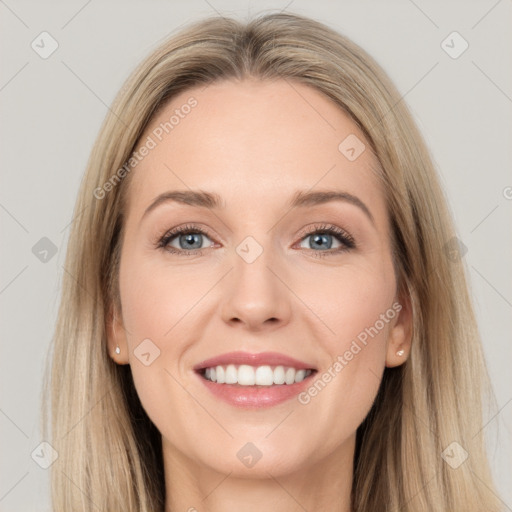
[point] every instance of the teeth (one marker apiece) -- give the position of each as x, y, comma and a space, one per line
231, 375
246, 375
220, 374
263, 375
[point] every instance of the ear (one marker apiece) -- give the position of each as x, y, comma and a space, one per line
400, 334
116, 337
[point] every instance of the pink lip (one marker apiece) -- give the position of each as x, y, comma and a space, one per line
254, 397
261, 359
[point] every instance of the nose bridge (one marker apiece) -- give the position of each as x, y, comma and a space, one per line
256, 295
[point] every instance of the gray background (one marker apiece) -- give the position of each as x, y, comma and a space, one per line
52, 109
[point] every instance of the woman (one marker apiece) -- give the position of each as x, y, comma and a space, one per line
263, 305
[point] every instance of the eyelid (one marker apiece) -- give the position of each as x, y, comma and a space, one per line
163, 239
344, 237
331, 229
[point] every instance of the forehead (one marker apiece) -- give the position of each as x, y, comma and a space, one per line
252, 142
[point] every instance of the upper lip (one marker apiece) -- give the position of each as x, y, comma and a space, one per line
261, 359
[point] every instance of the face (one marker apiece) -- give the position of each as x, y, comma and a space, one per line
256, 273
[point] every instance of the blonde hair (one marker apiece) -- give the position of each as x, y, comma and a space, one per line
109, 451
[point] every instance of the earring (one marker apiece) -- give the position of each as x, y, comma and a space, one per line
117, 349
400, 353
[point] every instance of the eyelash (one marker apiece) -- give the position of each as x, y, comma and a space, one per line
330, 229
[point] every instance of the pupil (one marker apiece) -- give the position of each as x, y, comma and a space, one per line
323, 238
190, 241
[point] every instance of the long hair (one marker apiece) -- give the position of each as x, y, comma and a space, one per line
110, 455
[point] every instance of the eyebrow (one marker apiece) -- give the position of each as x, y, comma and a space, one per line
300, 199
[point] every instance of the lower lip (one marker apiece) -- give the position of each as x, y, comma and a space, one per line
255, 397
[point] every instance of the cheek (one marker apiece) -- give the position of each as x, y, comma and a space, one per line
157, 304
351, 302
357, 307
361, 313
155, 298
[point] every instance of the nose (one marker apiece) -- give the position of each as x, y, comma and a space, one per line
255, 295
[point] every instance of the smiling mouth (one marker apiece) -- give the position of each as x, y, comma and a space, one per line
257, 376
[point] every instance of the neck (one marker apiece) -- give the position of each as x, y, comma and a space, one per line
194, 487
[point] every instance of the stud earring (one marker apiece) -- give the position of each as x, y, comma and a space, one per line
118, 350
400, 353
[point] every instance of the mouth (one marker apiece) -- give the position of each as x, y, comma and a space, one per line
247, 375
254, 380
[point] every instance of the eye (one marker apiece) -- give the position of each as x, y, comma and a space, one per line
189, 240
184, 239
322, 238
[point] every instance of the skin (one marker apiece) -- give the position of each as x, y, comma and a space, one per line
255, 143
